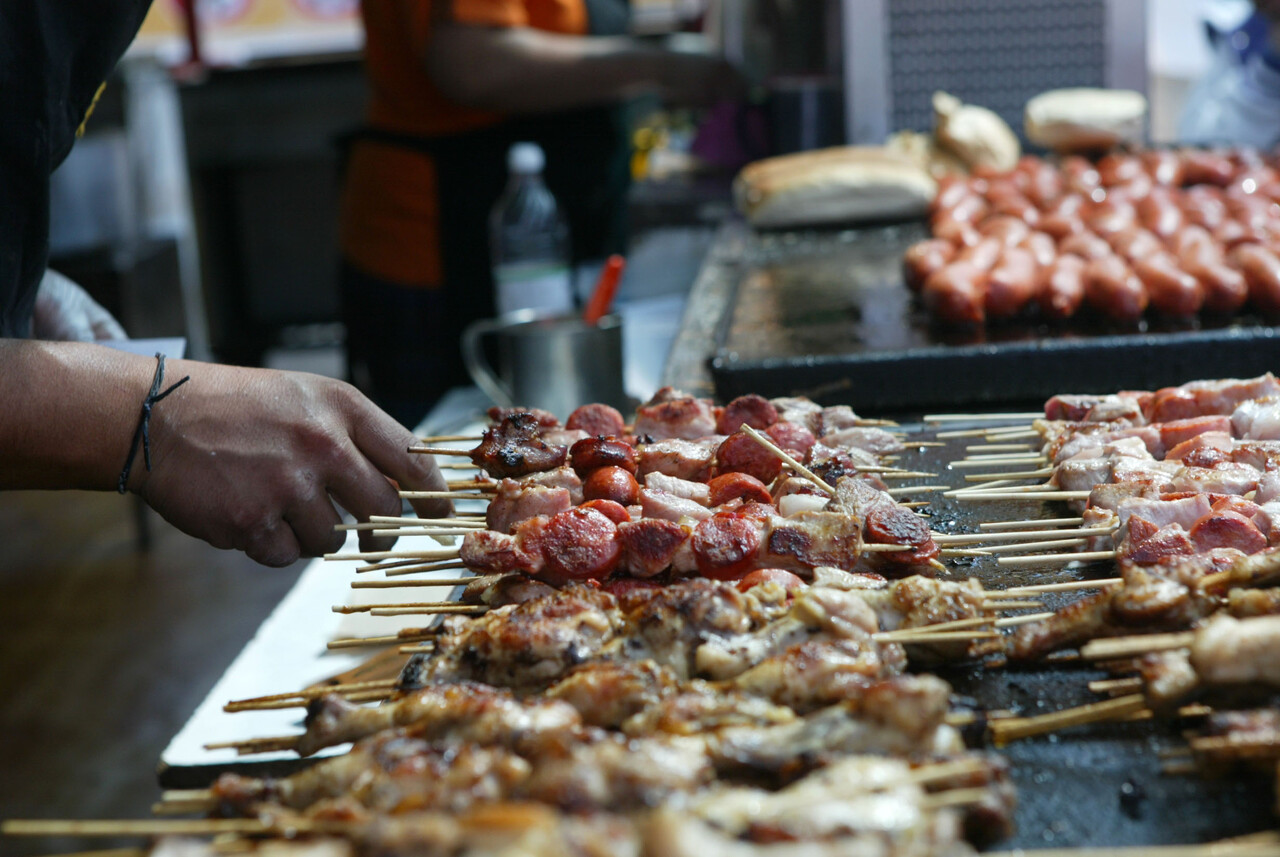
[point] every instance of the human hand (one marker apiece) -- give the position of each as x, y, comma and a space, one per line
65, 312
254, 459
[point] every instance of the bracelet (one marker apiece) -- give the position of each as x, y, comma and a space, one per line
143, 430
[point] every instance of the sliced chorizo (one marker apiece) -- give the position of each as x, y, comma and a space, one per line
597, 420
591, 453
738, 486
751, 409
741, 453
579, 544
611, 483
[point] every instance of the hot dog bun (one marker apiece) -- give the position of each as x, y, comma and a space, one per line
1085, 120
836, 185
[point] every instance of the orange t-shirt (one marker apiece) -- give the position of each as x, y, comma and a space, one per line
389, 213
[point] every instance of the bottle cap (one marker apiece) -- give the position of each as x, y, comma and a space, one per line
526, 158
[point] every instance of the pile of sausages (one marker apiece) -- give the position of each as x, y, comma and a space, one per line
1174, 232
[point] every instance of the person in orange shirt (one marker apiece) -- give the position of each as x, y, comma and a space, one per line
454, 83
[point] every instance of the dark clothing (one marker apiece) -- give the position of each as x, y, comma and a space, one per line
54, 56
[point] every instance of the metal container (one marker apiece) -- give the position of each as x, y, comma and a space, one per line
553, 362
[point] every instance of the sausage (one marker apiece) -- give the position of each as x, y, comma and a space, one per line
726, 544
611, 509
1044, 184
1068, 203
1160, 214
1113, 290
735, 486
1203, 206
923, 258
1261, 269
1135, 243
1086, 245
1233, 233
1115, 168
1011, 284
971, 208
1137, 188
741, 453
959, 233
597, 420
1200, 167
951, 189
756, 411
580, 544
1171, 290
611, 483
1008, 229
1020, 207
792, 438
1225, 289
1164, 167
1195, 246
1109, 215
956, 293
1060, 225
591, 453
982, 255
1061, 288
1079, 175
1042, 246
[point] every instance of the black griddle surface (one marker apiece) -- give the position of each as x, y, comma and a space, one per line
1089, 786
826, 314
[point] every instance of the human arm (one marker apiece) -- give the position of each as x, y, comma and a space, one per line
250, 459
524, 70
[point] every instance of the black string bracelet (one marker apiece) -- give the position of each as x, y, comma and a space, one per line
143, 431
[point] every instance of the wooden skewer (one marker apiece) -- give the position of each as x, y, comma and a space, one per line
312, 692
348, 609
1002, 461
1028, 495
1014, 621
1140, 644
1004, 731
788, 460
960, 552
403, 564
953, 433
1010, 434
426, 567
257, 745
403, 584
432, 440
1026, 547
416, 650
409, 532
426, 610
1009, 477
457, 465
974, 538
385, 522
298, 702
954, 797
998, 447
988, 486
911, 444
930, 773
991, 489
1116, 685
1041, 522
150, 826
902, 474
919, 630
915, 504
419, 635
1081, 556
444, 495
1061, 587
442, 553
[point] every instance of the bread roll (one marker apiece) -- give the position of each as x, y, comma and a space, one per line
837, 185
1085, 120
975, 135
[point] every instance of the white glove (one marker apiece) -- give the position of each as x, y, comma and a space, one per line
65, 312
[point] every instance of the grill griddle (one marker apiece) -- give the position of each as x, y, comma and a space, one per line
826, 314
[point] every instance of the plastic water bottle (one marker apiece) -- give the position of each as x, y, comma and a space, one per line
529, 239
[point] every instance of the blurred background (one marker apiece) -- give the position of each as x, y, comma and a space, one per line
212, 161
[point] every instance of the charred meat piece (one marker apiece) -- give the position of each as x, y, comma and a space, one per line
515, 447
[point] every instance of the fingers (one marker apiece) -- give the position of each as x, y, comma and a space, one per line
272, 544
363, 491
313, 522
385, 443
